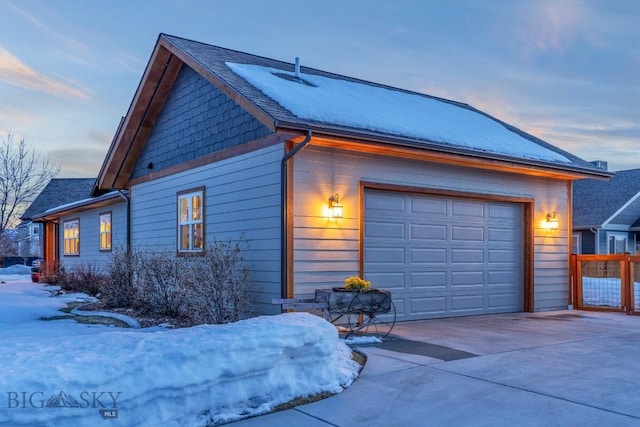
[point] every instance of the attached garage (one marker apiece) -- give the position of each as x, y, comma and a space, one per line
444, 256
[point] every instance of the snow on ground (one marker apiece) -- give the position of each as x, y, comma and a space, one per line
61, 373
605, 292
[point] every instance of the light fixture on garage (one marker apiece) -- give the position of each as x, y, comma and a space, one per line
335, 207
552, 221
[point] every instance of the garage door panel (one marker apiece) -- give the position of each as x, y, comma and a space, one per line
428, 256
385, 203
428, 305
503, 212
498, 256
467, 208
471, 234
429, 280
467, 256
385, 230
434, 208
503, 235
385, 256
503, 301
428, 232
388, 280
467, 278
467, 302
503, 277
456, 256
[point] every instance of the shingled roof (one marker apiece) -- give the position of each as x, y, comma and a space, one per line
596, 201
331, 105
59, 191
241, 71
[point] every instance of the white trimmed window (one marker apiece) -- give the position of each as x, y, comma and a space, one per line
575, 243
105, 231
617, 243
71, 234
191, 221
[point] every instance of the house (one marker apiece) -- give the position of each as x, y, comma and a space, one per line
57, 192
79, 229
328, 176
606, 214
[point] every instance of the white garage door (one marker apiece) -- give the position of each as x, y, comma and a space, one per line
442, 256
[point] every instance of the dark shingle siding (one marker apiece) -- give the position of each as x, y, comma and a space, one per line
59, 191
197, 119
594, 201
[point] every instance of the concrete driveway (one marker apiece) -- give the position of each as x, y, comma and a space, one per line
561, 368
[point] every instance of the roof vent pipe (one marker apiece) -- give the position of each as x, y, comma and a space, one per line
297, 67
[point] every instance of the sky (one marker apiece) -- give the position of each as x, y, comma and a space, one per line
566, 71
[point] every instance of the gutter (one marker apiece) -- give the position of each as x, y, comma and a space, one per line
452, 150
127, 200
284, 237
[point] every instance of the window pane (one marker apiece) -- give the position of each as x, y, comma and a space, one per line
197, 236
184, 209
184, 237
196, 203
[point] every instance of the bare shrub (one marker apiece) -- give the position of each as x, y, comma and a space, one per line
161, 283
119, 289
220, 284
85, 278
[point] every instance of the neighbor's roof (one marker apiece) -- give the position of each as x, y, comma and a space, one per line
334, 105
596, 201
57, 192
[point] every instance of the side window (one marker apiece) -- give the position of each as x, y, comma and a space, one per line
617, 243
191, 221
105, 231
71, 235
575, 243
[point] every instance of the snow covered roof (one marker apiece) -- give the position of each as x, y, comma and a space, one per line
339, 104
81, 204
334, 107
390, 111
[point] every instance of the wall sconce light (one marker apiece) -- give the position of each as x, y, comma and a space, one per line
552, 221
335, 207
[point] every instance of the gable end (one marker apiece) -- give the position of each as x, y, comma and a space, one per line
197, 119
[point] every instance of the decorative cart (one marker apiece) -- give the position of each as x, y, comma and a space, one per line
369, 312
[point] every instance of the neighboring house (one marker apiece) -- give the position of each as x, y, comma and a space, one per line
330, 176
85, 229
606, 214
57, 192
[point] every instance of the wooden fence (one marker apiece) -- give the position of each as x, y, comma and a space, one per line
606, 282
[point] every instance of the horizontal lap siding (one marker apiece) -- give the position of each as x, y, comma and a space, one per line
242, 197
320, 173
89, 236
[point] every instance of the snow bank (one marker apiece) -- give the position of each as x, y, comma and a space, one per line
16, 269
192, 376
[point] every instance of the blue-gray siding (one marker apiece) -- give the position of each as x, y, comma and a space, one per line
197, 119
90, 252
242, 198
